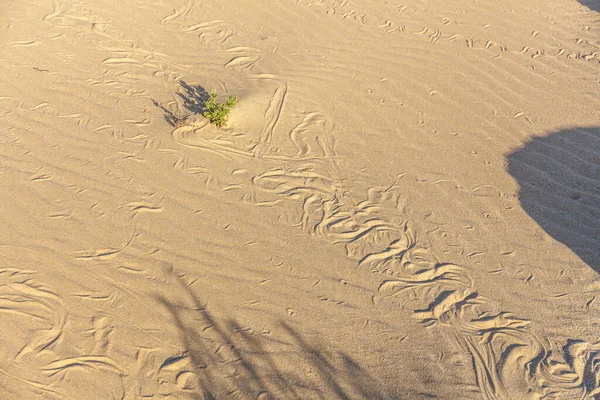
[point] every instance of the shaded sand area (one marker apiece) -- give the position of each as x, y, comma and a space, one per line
405, 203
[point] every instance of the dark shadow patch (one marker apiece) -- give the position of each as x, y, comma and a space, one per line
593, 5
559, 178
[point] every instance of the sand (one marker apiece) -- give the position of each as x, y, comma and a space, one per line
404, 204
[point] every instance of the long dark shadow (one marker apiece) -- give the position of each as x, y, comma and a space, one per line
231, 361
559, 178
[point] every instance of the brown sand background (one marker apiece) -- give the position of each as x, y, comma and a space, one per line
403, 205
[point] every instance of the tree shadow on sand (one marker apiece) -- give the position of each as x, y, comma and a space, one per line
234, 362
591, 4
559, 176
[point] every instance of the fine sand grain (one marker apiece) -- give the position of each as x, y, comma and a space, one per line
405, 203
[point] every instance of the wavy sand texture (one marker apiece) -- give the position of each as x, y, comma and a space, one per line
404, 204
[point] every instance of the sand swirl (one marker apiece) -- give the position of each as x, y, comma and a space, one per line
510, 359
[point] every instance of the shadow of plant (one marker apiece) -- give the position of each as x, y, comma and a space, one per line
173, 117
235, 362
559, 178
194, 100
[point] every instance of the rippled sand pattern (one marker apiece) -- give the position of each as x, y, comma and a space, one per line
403, 205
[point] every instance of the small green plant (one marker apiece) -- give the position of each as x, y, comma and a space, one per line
217, 112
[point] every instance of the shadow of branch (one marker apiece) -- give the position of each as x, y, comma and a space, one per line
232, 361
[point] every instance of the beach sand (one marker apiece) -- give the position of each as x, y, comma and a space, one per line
404, 204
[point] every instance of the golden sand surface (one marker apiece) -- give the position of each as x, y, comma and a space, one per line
404, 204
